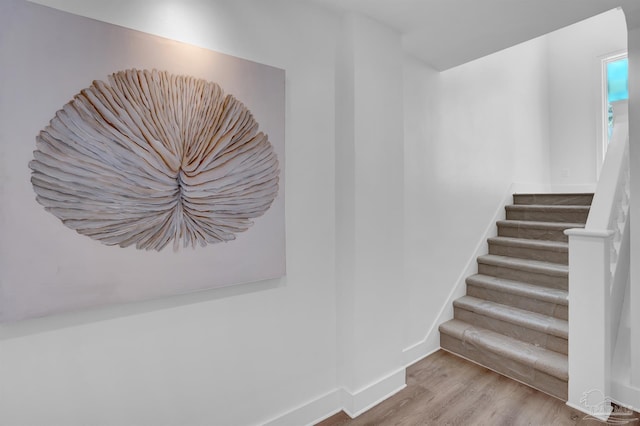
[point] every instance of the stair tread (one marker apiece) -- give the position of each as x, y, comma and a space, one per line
545, 360
548, 207
537, 266
539, 224
584, 198
554, 194
546, 294
529, 243
531, 320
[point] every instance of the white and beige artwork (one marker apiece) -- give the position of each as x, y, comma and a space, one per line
149, 158
133, 167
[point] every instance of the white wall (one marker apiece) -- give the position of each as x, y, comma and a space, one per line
420, 130
379, 198
575, 55
471, 131
247, 354
369, 211
232, 356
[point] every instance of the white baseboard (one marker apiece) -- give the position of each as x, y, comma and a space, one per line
418, 351
357, 402
310, 412
602, 416
626, 395
353, 403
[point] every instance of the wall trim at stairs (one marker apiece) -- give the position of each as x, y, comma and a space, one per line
417, 352
431, 342
353, 403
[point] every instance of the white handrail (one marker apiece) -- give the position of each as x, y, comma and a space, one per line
614, 171
598, 272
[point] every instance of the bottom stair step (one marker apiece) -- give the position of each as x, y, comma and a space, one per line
535, 366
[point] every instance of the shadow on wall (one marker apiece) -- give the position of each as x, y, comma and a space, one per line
108, 312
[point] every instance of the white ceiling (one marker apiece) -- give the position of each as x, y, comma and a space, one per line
446, 33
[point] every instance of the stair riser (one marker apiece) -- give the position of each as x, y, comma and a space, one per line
548, 216
532, 233
521, 302
554, 199
559, 282
510, 368
560, 257
519, 332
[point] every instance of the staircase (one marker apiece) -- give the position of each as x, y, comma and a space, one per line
513, 318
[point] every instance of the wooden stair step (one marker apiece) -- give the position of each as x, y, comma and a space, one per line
531, 297
547, 268
547, 251
551, 231
537, 367
546, 274
558, 246
543, 294
550, 362
538, 329
574, 199
521, 317
547, 213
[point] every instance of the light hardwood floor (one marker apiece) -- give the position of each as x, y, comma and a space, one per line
444, 389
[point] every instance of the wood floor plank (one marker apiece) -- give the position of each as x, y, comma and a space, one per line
444, 389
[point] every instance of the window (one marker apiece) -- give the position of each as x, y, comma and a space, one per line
617, 86
614, 86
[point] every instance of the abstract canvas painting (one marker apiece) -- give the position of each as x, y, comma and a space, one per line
151, 158
132, 166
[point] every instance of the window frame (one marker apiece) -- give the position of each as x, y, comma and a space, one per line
603, 108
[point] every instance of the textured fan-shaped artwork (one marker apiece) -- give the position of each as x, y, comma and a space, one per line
152, 158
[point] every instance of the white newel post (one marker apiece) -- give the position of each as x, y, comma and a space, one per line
598, 270
589, 342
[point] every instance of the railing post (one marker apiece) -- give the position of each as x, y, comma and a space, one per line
590, 348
